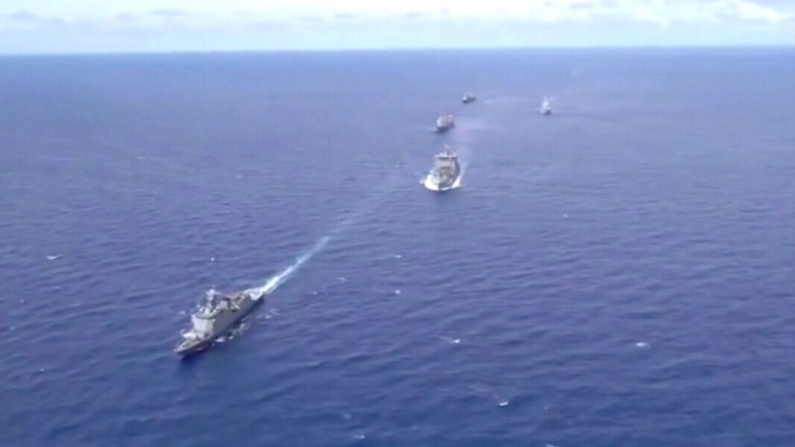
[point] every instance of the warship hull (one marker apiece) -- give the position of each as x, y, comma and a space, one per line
432, 185
445, 123
221, 326
435, 182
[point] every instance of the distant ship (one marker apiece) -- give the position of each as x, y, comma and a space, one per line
215, 318
469, 97
445, 173
445, 123
546, 107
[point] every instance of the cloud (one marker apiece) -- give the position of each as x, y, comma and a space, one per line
307, 19
344, 16
170, 13
753, 11
667, 13
125, 17
24, 19
364, 23
581, 5
411, 15
23, 15
441, 14
242, 12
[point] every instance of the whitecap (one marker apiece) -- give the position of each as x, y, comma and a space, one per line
452, 341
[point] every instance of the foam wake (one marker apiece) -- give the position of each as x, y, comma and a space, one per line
458, 184
275, 281
338, 230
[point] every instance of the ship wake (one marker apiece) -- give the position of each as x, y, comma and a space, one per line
459, 181
278, 279
338, 230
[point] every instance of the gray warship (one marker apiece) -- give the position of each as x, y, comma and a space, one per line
215, 318
546, 107
445, 123
468, 98
445, 173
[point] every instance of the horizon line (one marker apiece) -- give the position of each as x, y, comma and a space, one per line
749, 46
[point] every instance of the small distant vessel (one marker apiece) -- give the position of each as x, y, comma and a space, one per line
445, 123
469, 97
546, 107
215, 318
445, 173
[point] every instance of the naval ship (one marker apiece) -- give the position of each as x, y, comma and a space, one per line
445, 123
546, 107
445, 173
469, 97
215, 318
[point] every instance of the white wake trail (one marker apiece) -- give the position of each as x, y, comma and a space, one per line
275, 281
338, 230
464, 164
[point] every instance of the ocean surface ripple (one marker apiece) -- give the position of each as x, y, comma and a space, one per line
618, 274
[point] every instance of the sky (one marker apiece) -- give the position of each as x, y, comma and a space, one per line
91, 26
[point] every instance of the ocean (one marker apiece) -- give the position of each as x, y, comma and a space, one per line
621, 273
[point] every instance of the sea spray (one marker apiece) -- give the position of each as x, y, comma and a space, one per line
464, 164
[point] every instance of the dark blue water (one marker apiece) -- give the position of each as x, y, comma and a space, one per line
619, 274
